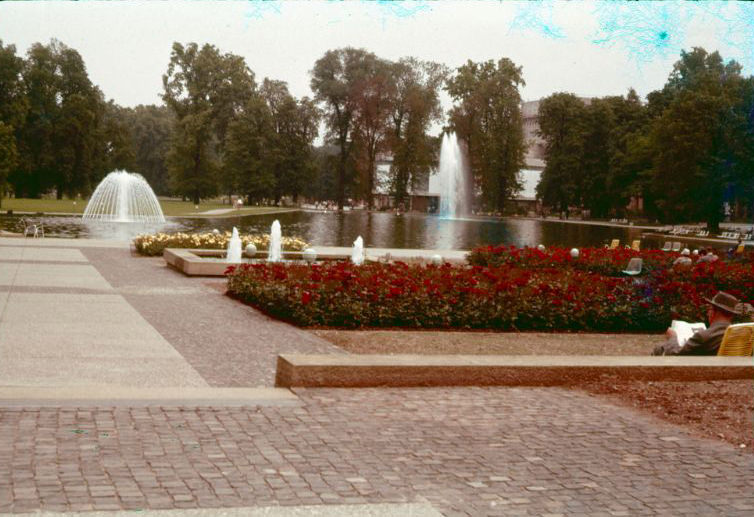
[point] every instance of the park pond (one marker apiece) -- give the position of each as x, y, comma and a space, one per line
379, 229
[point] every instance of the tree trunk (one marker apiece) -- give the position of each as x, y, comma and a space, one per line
370, 182
341, 187
196, 197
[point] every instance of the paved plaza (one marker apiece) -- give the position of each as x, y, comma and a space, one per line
88, 330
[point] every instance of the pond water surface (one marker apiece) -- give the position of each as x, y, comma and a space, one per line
379, 229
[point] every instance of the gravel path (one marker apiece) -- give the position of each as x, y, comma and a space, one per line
507, 343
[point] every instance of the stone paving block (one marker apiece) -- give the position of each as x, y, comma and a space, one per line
540, 468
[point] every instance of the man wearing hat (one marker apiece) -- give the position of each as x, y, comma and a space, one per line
722, 308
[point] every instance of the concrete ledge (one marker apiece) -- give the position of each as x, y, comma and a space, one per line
192, 261
110, 395
295, 370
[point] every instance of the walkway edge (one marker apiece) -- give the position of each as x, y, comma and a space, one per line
297, 370
111, 395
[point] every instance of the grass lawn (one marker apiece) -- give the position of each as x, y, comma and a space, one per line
169, 207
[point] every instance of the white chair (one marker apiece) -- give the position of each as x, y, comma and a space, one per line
634, 266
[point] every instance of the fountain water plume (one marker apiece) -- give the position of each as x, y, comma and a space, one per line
124, 197
234, 247
453, 178
357, 254
276, 237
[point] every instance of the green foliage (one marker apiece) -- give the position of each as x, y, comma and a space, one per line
203, 89
58, 141
150, 129
488, 118
334, 78
414, 106
700, 119
562, 124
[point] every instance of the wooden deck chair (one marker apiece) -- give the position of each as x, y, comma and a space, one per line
676, 246
668, 246
636, 245
614, 244
634, 266
738, 340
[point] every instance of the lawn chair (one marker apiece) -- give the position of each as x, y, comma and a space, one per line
676, 246
33, 229
738, 340
668, 246
636, 245
614, 244
634, 266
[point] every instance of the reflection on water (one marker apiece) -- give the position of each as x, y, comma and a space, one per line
379, 229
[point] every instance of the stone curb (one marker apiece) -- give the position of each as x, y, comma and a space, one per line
110, 395
297, 370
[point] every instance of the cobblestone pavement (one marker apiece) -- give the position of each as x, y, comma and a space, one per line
227, 342
467, 451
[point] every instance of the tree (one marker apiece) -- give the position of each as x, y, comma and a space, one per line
627, 160
414, 106
488, 118
693, 140
598, 125
334, 78
372, 100
294, 127
114, 139
204, 89
13, 107
561, 125
250, 169
58, 140
150, 130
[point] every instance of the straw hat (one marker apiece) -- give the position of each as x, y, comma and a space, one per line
725, 302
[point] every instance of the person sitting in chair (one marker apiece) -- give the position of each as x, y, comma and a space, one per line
722, 308
684, 259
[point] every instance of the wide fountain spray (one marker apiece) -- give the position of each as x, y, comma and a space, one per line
124, 197
453, 179
234, 247
276, 237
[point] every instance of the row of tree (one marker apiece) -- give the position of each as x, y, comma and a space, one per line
220, 132
685, 152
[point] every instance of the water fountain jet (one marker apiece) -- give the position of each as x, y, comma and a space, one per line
234, 247
357, 255
124, 197
453, 179
276, 237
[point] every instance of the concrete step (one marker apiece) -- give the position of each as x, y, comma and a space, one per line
298, 370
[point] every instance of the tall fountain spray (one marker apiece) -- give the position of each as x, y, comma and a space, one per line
234, 247
453, 179
124, 197
357, 254
276, 237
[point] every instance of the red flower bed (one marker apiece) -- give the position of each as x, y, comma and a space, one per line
525, 290
595, 260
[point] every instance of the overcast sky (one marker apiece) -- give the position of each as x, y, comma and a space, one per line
589, 48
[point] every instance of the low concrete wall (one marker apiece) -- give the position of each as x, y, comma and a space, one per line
486, 370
